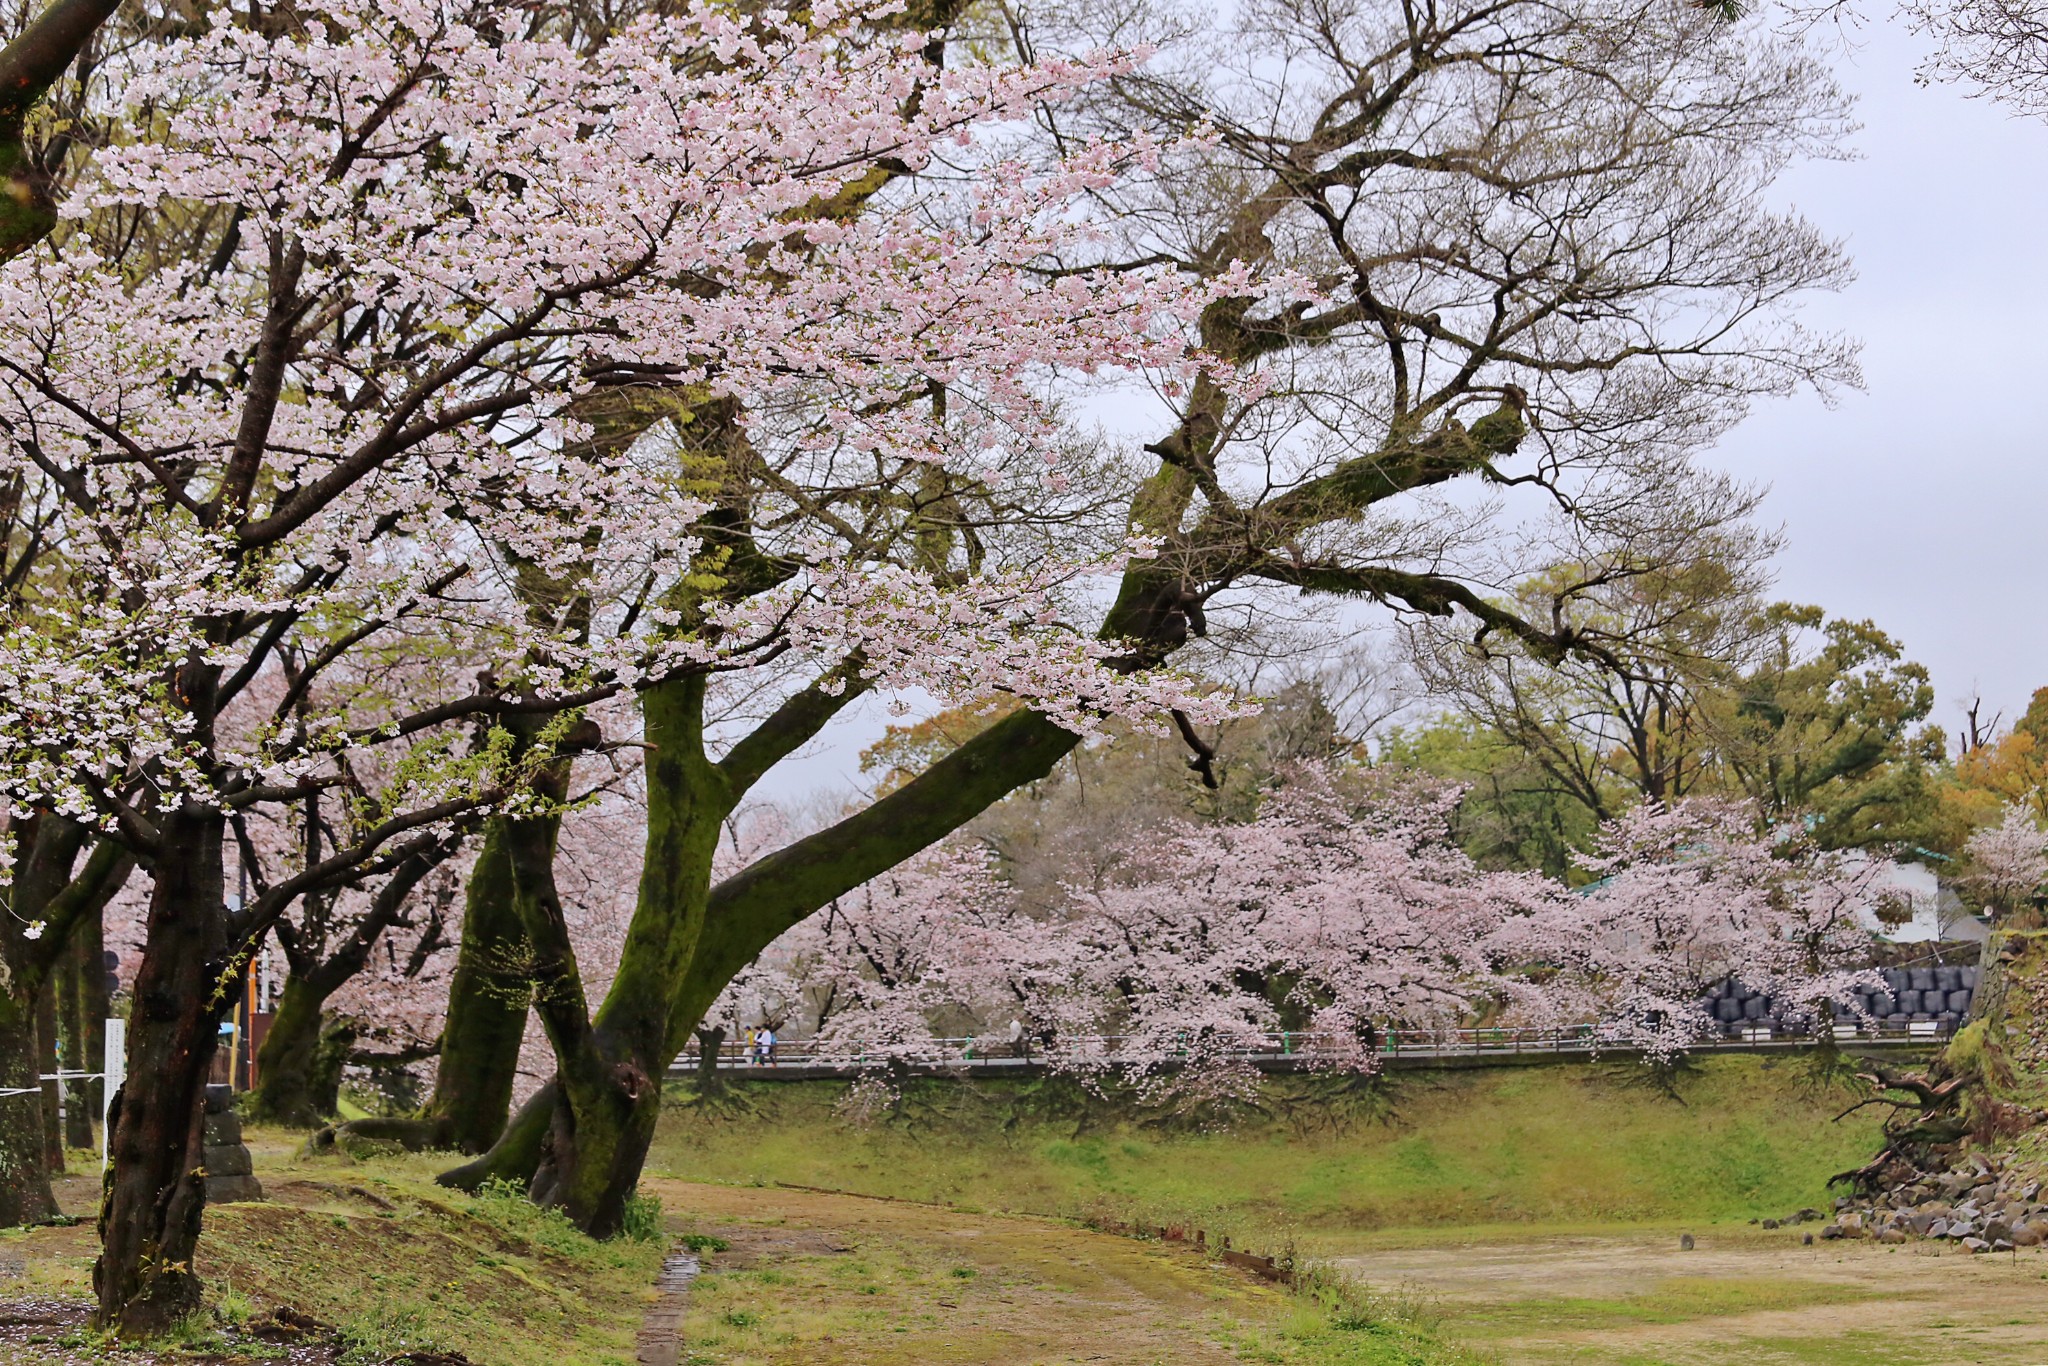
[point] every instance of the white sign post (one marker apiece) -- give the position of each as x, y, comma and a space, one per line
116, 1067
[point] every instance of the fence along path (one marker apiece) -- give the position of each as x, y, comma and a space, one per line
111, 1079
796, 1059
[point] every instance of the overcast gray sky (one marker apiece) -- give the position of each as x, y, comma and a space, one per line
1921, 502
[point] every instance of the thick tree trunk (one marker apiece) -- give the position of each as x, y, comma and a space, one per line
24, 1173
288, 1090
149, 1219
488, 999
746, 912
609, 1069
597, 1143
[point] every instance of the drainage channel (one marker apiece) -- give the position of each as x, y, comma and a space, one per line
661, 1332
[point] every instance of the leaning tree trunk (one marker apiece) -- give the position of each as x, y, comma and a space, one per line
156, 1190
746, 912
488, 998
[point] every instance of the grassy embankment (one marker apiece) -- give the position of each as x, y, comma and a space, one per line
1563, 1147
391, 1262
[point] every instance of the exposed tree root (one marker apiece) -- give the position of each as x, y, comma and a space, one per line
414, 1135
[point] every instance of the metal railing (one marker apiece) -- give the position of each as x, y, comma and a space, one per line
1280, 1048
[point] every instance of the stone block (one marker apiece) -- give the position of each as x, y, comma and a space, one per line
228, 1159
223, 1190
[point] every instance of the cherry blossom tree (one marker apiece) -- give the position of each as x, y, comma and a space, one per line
341, 323
2007, 863
1697, 893
1456, 191
323, 409
1343, 910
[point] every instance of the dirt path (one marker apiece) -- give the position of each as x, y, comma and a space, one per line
829, 1280
1737, 1298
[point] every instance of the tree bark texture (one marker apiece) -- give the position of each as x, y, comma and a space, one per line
46, 1060
155, 1192
488, 999
50, 847
25, 1195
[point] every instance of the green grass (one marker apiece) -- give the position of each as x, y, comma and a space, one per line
1677, 1300
1582, 1144
902, 1283
491, 1276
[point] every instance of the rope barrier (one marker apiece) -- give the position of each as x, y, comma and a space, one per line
51, 1076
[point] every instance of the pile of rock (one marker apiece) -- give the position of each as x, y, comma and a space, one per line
1981, 1207
1793, 1220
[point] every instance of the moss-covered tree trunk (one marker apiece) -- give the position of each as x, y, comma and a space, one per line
488, 999
25, 1194
610, 1067
287, 1093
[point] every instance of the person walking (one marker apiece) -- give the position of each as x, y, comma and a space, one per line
753, 1050
766, 1040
